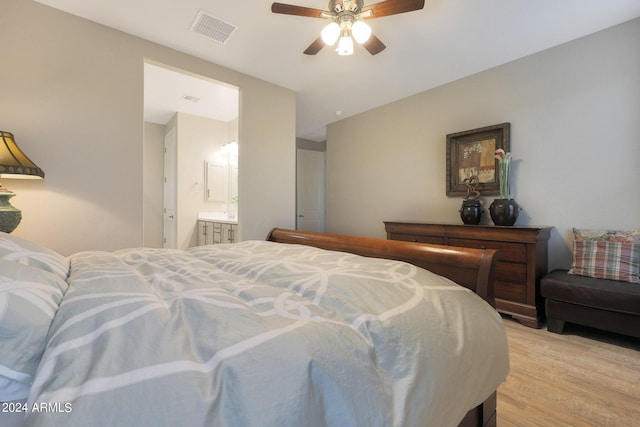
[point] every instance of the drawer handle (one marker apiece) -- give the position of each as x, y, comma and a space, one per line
483, 247
415, 240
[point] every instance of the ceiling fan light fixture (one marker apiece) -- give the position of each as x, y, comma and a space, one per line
347, 15
345, 45
361, 31
330, 34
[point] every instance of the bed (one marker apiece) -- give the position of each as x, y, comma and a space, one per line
302, 329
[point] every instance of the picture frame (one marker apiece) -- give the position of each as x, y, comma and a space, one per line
472, 152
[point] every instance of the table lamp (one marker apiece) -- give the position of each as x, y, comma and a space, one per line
13, 164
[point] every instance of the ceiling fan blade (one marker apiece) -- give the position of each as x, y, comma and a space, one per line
289, 9
393, 7
314, 47
374, 45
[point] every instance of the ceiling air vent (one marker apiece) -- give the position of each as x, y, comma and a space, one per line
191, 98
212, 27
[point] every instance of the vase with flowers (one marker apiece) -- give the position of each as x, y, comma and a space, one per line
503, 211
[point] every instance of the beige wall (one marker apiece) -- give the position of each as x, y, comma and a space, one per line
575, 130
72, 93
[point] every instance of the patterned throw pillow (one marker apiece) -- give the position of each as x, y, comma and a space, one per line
609, 254
608, 235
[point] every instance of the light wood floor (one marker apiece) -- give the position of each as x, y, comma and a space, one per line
583, 377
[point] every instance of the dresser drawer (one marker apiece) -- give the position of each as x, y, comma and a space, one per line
434, 240
510, 281
507, 251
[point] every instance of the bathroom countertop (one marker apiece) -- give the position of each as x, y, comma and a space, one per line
216, 217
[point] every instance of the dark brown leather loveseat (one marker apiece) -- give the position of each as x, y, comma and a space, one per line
599, 303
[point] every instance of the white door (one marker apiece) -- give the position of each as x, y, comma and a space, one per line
170, 228
310, 189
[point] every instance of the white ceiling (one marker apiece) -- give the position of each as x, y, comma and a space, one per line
445, 41
167, 92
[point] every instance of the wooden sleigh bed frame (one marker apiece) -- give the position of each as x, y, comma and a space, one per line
472, 268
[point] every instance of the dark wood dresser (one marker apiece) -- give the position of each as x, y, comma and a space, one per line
522, 259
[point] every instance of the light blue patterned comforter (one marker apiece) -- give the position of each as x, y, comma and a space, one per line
263, 334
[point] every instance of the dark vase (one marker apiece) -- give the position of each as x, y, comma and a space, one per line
504, 211
471, 211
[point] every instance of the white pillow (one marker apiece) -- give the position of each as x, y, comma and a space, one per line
29, 299
19, 250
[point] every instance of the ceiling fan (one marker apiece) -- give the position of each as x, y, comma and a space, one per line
347, 22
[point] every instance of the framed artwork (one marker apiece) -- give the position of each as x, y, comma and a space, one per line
471, 153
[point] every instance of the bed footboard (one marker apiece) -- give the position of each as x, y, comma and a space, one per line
472, 268
483, 415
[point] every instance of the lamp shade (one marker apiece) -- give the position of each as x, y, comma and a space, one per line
345, 45
330, 34
13, 161
361, 31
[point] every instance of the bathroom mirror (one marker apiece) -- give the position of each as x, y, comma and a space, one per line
222, 177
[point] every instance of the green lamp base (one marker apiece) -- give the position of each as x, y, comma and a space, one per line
10, 217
